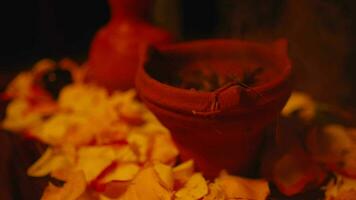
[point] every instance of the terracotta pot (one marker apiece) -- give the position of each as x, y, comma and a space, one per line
116, 48
220, 129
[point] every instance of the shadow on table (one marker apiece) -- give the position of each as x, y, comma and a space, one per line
16, 155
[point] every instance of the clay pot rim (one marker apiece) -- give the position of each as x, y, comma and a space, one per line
147, 86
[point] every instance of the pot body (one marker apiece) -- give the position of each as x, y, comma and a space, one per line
222, 129
115, 50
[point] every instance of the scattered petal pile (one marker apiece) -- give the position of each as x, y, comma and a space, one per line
313, 141
107, 146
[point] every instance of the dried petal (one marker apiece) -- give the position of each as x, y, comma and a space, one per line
183, 172
72, 189
125, 154
163, 149
140, 144
49, 162
115, 189
243, 188
292, 175
122, 172
147, 186
194, 189
94, 159
341, 188
165, 175
18, 119
216, 192
350, 163
300, 102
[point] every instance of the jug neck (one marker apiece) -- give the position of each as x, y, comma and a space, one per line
137, 10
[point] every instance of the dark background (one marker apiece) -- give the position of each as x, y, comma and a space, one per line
33, 29
321, 33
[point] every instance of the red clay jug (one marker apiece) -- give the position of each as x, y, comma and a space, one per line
222, 129
115, 51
